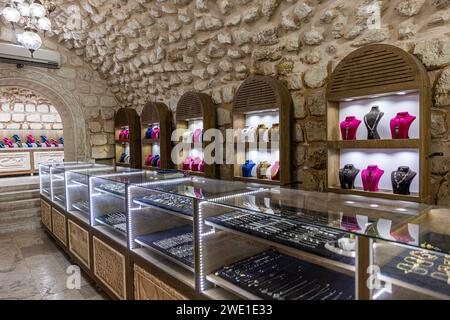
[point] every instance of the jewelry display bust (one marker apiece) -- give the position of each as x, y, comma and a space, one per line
371, 177
400, 125
347, 176
401, 180
371, 121
349, 127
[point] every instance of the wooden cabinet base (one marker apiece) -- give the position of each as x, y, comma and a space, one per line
46, 214
148, 287
59, 229
79, 243
109, 267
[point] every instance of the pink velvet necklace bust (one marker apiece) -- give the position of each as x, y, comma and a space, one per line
349, 127
371, 177
400, 125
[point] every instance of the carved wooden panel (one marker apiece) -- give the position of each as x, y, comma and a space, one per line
47, 157
59, 226
109, 267
46, 215
79, 242
15, 161
148, 287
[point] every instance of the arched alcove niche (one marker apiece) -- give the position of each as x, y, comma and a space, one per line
63, 100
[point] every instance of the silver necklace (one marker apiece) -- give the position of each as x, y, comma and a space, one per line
398, 181
372, 129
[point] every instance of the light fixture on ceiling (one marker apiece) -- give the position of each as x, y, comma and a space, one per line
34, 15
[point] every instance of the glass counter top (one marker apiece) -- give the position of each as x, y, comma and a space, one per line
138, 177
202, 188
402, 222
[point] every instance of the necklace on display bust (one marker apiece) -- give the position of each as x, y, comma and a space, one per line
401, 180
347, 176
371, 121
349, 127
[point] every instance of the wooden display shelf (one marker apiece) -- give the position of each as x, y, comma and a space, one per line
150, 141
121, 164
382, 193
256, 180
263, 94
364, 74
128, 118
375, 144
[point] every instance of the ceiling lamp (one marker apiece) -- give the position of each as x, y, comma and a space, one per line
35, 15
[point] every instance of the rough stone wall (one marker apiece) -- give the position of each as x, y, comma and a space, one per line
24, 109
159, 49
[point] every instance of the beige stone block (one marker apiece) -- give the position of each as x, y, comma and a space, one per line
13, 126
48, 118
5, 117
43, 108
30, 107
58, 118
108, 101
18, 117
53, 109
95, 126
67, 73
5, 107
34, 118
108, 126
99, 139
35, 126
89, 100
19, 107
57, 126
107, 113
102, 152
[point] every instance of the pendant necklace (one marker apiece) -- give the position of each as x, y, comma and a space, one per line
347, 127
398, 181
372, 129
372, 180
397, 126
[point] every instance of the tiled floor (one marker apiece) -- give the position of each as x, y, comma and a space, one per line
33, 267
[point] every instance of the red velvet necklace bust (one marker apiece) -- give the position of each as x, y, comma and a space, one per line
400, 125
371, 177
349, 127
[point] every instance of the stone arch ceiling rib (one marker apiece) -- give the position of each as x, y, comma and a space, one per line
63, 100
159, 49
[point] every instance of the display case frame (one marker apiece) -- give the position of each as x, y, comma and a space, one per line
192, 107
374, 72
157, 113
127, 118
262, 95
374, 224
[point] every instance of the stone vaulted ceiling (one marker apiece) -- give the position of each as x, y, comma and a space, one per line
158, 49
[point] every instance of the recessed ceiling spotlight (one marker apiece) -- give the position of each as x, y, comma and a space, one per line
401, 93
401, 209
373, 205
348, 100
349, 202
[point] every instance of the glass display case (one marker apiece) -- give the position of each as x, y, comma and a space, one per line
289, 244
108, 199
162, 218
44, 177
58, 180
77, 188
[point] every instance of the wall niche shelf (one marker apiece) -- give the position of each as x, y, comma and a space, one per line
262, 122
381, 86
156, 116
127, 139
196, 114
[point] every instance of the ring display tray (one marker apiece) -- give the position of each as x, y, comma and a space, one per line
81, 206
274, 276
169, 242
168, 202
108, 190
288, 232
115, 221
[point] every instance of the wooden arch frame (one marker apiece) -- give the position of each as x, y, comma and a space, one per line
195, 105
127, 117
379, 69
157, 113
259, 93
